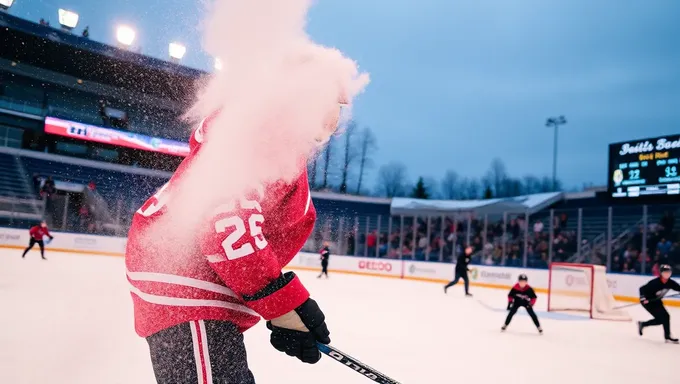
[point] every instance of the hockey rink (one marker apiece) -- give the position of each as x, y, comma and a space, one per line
68, 320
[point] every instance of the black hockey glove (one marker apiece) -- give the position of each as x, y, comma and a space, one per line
509, 305
297, 332
51, 238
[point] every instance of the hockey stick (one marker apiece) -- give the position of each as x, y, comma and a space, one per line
355, 364
649, 301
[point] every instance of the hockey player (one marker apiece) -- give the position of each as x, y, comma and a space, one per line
325, 255
193, 306
38, 233
651, 295
522, 295
462, 272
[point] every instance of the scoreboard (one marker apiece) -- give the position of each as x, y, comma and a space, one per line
645, 168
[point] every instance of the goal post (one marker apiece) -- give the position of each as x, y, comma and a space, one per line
582, 288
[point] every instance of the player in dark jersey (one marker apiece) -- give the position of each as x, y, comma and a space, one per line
462, 271
650, 298
522, 295
38, 232
325, 255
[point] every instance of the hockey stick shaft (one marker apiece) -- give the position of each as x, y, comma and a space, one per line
355, 364
650, 301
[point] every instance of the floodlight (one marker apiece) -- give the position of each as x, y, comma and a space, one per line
5, 4
177, 51
68, 19
125, 35
218, 64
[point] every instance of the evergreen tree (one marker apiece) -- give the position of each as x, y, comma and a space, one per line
420, 191
487, 193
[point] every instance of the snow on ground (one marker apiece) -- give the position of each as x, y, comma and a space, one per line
68, 320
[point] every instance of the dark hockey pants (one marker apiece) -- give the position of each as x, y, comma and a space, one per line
460, 275
324, 268
33, 242
661, 317
530, 311
200, 352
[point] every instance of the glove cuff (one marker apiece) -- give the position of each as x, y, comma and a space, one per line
279, 297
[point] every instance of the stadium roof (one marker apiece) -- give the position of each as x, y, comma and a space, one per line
517, 205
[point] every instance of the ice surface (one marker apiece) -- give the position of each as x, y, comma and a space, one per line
68, 320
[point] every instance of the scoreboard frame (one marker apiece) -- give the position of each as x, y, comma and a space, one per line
645, 169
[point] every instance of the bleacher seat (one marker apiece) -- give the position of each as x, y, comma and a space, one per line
12, 183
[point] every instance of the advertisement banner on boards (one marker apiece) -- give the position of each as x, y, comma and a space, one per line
428, 271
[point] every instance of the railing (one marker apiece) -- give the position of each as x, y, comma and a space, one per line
634, 239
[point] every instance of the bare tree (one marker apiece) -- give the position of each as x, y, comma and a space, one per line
392, 179
474, 189
547, 185
532, 184
496, 177
327, 155
449, 186
350, 154
470, 188
367, 145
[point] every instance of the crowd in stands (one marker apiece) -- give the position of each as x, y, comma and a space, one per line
499, 243
663, 243
488, 248
663, 247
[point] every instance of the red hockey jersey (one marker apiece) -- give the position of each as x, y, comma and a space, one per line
241, 249
37, 232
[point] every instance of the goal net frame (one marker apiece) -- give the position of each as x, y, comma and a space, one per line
597, 272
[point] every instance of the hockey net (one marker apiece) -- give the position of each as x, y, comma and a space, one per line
584, 288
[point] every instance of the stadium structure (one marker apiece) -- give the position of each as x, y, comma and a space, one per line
102, 125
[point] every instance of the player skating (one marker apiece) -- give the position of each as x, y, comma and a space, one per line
193, 311
38, 233
651, 295
462, 271
522, 295
325, 256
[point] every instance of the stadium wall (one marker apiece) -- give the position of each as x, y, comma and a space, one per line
624, 287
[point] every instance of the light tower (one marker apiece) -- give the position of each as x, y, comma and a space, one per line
555, 122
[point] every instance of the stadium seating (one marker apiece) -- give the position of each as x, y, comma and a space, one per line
12, 182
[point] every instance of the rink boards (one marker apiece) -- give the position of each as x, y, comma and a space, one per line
624, 287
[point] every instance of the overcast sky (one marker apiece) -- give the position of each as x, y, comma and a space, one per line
458, 82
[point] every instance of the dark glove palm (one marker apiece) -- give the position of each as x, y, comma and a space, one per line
302, 344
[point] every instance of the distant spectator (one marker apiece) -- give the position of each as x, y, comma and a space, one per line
36, 184
563, 221
48, 188
664, 246
538, 227
86, 32
668, 223
351, 238
84, 217
371, 242
91, 186
42, 21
